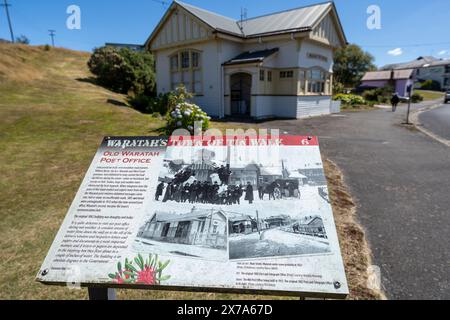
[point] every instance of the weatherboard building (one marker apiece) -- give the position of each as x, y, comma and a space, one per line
277, 65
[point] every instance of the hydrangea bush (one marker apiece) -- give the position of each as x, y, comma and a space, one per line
184, 116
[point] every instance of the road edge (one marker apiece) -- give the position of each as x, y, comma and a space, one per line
416, 122
364, 282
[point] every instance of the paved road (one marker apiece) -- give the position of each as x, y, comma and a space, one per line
401, 180
437, 121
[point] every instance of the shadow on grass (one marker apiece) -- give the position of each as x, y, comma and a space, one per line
91, 80
117, 103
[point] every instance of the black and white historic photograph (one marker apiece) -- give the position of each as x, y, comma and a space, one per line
253, 205
198, 233
251, 236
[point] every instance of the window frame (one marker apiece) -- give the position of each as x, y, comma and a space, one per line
186, 73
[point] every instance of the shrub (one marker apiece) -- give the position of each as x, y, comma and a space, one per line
416, 98
123, 70
338, 87
431, 85
22, 39
150, 105
380, 95
47, 47
183, 114
350, 99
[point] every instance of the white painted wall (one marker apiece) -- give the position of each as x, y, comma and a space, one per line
311, 47
210, 100
311, 106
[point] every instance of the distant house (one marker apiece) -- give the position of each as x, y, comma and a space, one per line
244, 175
270, 174
314, 173
199, 227
398, 79
278, 221
427, 68
311, 226
132, 47
276, 65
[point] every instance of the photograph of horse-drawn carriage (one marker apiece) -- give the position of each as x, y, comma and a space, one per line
280, 188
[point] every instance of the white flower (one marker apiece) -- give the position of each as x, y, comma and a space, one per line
180, 116
179, 124
190, 128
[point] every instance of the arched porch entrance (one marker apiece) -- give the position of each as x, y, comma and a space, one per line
241, 94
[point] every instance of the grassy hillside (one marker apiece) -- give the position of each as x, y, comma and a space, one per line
52, 121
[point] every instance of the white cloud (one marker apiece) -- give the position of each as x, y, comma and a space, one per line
442, 53
396, 52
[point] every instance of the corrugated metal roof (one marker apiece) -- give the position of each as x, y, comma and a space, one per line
214, 20
403, 74
296, 19
377, 75
421, 62
299, 19
387, 75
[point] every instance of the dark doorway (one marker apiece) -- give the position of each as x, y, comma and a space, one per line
241, 94
183, 230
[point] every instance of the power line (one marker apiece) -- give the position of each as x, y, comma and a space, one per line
7, 5
164, 3
52, 35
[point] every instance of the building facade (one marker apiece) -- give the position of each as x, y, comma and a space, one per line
278, 65
426, 68
400, 80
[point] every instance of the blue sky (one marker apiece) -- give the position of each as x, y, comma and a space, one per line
410, 28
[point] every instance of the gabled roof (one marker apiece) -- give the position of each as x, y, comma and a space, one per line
388, 75
214, 20
420, 62
303, 19
255, 56
299, 19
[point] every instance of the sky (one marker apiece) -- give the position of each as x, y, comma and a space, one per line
409, 28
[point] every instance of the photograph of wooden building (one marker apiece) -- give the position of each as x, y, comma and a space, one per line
206, 228
278, 221
311, 226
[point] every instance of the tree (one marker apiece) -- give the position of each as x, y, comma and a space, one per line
123, 70
350, 65
22, 39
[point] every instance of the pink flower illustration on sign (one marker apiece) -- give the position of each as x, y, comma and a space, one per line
147, 276
141, 271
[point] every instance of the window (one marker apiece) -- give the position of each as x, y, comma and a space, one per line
195, 59
174, 63
316, 81
269, 76
447, 69
286, 74
185, 60
261, 75
185, 69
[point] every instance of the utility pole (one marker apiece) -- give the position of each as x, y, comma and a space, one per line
410, 89
52, 35
7, 5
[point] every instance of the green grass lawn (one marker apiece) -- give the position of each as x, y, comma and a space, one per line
52, 120
430, 95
